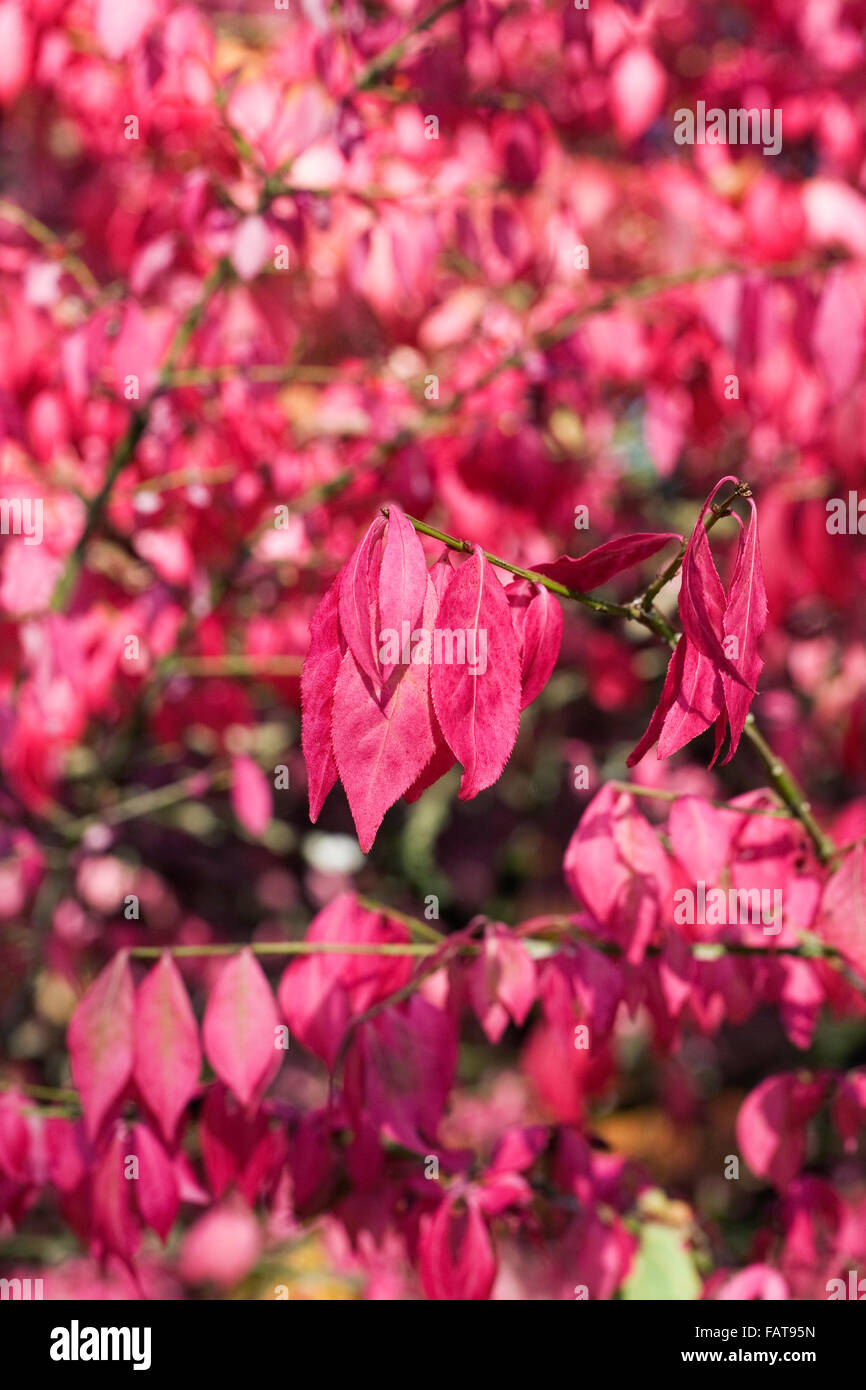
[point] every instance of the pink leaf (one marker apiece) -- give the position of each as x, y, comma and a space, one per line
156, 1186
399, 1070
537, 619
756, 1282
616, 867
701, 836
251, 796
637, 87
318, 678
771, 1126
456, 1260
252, 243
319, 995
121, 23
101, 1041
222, 1246
239, 1028
596, 567
478, 705
402, 580
167, 1052
502, 981
842, 917
702, 596
381, 742
745, 619
359, 601
698, 701
115, 1222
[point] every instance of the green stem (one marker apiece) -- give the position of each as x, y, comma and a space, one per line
392, 55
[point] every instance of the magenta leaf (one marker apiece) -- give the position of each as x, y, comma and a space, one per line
382, 742
358, 601
251, 796
477, 701
156, 1187
402, 580
537, 619
842, 916
101, 1041
771, 1125
590, 571
239, 1028
502, 981
616, 867
319, 995
318, 678
167, 1052
745, 619
456, 1259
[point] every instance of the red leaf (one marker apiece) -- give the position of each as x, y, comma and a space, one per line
156, 1185
382, 742
842, 916
318, 678
456, 1259
478, 707
701, 837
702, 600
101, 1041
537, 619
319, 995
590, 571
616, 867
502, 982
402, 580
251, 796
839, 329
358, 601
114, 1219
771, 1126
745, 620
399, 1070
239, 1028
167, 1052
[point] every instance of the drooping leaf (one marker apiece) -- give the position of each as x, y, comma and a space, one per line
167, 1052
478, 706
239, 1026
771, 1125
842, 916
318, 678
156, 1187
101, 1041
358, 602
381, 742
616, 867
320, 994
456, 1259
745, 619
537, 618
402, 580
251, 796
